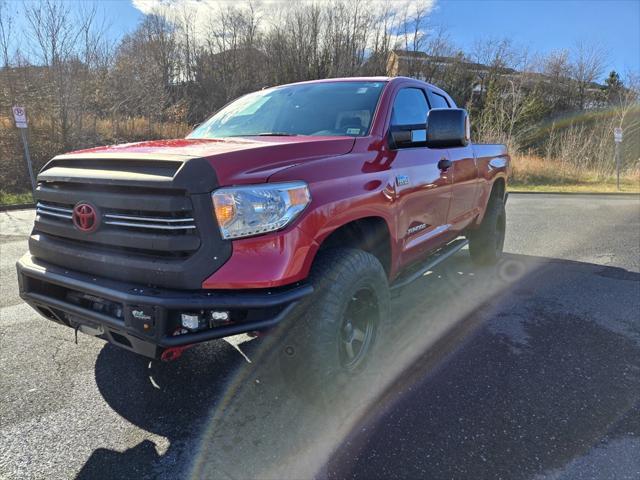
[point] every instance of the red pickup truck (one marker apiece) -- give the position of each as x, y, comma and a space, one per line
306, 202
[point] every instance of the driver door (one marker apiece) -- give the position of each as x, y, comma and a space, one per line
423, 190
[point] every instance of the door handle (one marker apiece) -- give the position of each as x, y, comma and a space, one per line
444, 164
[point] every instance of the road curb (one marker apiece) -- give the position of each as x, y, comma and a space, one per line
591, 194
17, 206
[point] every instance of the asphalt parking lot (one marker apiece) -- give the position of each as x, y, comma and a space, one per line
527, 370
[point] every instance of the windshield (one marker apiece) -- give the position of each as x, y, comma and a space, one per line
318, 109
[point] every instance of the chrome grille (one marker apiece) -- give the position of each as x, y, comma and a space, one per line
54, 211
150, 213
127, 220
156, 223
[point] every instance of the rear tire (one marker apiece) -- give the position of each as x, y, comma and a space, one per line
487, 242
332, 341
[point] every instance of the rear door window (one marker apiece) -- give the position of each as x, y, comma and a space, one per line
437, 100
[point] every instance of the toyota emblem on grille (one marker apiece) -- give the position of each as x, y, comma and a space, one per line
85, 217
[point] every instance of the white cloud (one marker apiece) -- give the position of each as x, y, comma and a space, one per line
205, 6
204, 11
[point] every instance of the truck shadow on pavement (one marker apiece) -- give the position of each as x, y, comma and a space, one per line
547, 387
530, 366
171, 400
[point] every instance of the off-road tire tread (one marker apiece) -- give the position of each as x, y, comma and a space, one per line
312, 333
482, 240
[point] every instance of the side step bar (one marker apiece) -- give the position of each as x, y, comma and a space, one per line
435, 259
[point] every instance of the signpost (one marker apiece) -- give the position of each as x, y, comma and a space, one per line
617, 137
20, 117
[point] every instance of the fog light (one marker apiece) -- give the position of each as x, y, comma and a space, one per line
219, 316
190, 321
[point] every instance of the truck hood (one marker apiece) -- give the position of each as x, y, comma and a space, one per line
235, 160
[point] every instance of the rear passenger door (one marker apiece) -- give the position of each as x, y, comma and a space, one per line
464, 176
423, 190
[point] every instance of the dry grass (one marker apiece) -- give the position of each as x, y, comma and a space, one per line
564, 169
139, 129
105, 129
533, 173
45, 142
529, 173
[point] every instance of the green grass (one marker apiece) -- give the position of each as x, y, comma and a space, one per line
15, 198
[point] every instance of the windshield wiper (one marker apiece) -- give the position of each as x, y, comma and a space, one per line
276, 134
265, 134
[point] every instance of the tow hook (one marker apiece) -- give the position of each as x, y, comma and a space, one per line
174, 353
259, 333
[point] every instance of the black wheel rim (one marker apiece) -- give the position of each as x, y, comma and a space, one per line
500, 233
358, 328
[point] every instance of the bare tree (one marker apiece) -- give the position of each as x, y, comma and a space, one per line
55, 34
628, 117
494, 53
587, 66
179, 65
6, 27
414, 27
6, 24
380, 43
560, 91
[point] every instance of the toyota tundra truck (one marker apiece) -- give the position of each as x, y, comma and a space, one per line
301, 205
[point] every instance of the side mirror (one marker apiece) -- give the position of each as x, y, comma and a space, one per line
448, 127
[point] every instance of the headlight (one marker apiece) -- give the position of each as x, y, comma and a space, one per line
255, 209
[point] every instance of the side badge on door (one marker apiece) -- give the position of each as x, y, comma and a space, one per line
402, 180
416, 228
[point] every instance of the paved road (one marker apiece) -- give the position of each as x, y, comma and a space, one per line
529, 370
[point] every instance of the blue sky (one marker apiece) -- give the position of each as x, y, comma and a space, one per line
541, 25
545, 25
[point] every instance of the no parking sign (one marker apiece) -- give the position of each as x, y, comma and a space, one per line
617, 137
617, 134
20, 117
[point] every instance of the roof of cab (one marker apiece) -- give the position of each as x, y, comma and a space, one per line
362, 79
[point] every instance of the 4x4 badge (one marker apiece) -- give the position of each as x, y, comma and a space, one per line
402, 180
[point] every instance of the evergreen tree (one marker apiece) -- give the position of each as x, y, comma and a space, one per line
613, 88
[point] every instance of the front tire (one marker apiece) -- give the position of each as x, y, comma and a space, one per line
334, 338
487, 242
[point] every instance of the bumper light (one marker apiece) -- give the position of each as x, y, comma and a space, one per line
218, 318
192, 321
205, 319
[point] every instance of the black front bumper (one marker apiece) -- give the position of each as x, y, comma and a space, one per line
75, 299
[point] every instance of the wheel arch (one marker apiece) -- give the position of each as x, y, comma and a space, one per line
498, 189
370, 234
